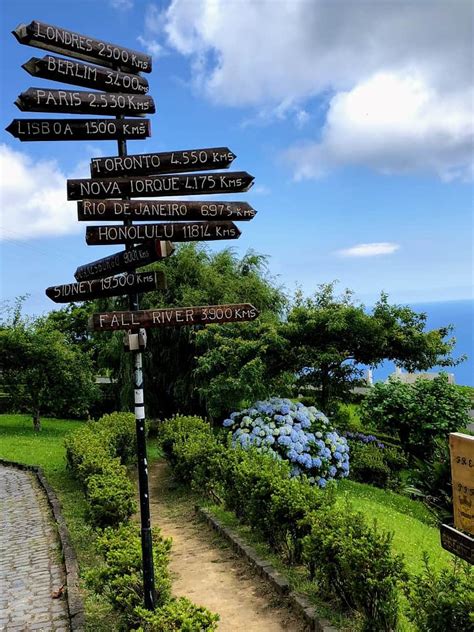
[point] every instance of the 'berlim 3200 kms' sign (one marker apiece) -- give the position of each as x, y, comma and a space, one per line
150, 186
174, 317
78, 129
163, 162
108, 286
146, 210
179, 231
59, 40
80, 102
79, 74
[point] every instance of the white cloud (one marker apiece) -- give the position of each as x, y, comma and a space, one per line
289, 55
121, 5
33, 197
152, 46
369, 250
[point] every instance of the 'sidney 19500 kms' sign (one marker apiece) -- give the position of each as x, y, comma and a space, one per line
80, 102
164, 162
146, 210
78, 129
79, 74
59, 40
179, 231
126, 260
108, 286
151, 186
174, 317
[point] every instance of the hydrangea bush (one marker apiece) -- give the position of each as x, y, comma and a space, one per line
302, 435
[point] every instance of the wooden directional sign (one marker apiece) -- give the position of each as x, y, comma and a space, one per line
174, 317
78, 129
79, 102
108, 286
146, 210
151, 186
165, 162
126, 260
454, 541
79, 74
73, 44
461, 447
179, 231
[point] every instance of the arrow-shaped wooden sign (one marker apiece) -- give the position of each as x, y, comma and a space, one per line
152, 186
73, 44
79, 102
79, 129
163, 162
179, 231
108, 286
126, 260
179, 210
174, 317
79, 74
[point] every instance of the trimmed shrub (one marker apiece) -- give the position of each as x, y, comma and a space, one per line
354, 561
95, 453
177, 615
120, 577
442, 601
376, 464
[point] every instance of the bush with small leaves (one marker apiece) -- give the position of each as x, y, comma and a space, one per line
177, 615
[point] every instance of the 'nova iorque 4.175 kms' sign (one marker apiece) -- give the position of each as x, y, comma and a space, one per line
108, 286
72, 44
79, 74
80, 102
150, 186
174, 317
179, 231
78, 129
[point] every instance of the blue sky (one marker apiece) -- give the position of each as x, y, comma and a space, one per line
356, 119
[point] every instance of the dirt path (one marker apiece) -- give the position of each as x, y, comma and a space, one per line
206, 570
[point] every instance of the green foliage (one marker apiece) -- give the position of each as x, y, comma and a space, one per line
42, 370
374, 465
442, 601
354, 561
94, 452
431, 479
177, 615
418, 413
120, 577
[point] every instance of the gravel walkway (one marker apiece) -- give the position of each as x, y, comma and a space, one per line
30, 563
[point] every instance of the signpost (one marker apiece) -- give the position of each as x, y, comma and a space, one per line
125, 260
72, 44
179, 231
80, 102
107, 286
145, 210
164, 162
174, 317
151, 186
80, 74
458, 539
78, 129
114, 70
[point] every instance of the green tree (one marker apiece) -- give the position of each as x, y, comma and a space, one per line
42, 370
331, 336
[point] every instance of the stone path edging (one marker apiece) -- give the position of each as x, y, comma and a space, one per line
75, 604
299, 603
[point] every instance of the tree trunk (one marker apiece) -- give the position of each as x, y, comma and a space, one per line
36, 420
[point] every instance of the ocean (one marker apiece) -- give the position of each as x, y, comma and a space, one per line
460, 314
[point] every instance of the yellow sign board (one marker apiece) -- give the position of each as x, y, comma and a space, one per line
461, 448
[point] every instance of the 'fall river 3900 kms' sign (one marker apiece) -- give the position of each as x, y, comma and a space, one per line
174, 317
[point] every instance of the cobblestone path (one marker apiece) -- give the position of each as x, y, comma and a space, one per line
30, 563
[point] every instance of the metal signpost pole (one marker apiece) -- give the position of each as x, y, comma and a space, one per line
146, 538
